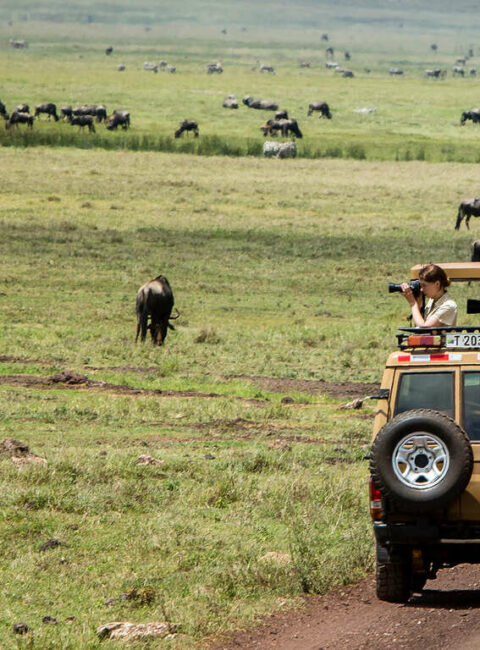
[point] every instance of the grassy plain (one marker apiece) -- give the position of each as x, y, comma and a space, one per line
279, 270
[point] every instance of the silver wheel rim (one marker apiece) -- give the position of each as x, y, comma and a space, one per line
420, 460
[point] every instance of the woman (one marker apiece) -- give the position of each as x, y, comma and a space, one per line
440, 309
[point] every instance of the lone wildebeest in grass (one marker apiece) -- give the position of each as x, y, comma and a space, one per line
187, 125
322, 107
473, 115
155, 303
49, 109
260, 104
467, 208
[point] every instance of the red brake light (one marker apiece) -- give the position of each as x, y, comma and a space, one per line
424, 341
375, 502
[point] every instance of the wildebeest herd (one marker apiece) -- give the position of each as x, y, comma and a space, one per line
82, 116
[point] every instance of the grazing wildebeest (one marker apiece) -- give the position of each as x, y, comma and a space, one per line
395, 71
331, 65
437, 73
17, 45
49, 109
347, 73
284, 126
467, 208
121, 67
150, 67
458, 70
475, 251
109, 50
281, 115
322, 107
116, 119
171, 69
214, 67
82, 121
230, 102
85, 109
187, 125
473, 115
347, 56
101, 113
66, 112
461, 60
267, 68
155, 302
324, 37
472, 72
23, 108
17, 118
260, 104
329, 52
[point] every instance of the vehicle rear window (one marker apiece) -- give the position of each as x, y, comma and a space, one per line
471, 404
426, 390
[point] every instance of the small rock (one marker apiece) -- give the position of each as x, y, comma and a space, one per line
49, 619
145, 459
20, 628
110, 601
209, 456
51, 543
102, 453
355, 404
133, 632
287, 400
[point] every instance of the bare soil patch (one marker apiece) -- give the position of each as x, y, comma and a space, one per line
340, 390
445, 616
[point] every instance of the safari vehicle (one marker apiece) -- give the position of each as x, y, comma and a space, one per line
425, 456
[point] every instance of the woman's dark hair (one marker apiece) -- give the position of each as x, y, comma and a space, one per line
432, 273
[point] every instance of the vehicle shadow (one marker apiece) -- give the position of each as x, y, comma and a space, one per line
446, 599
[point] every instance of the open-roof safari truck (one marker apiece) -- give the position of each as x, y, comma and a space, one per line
425, 456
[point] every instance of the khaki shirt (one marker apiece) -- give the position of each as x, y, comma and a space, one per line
444, 310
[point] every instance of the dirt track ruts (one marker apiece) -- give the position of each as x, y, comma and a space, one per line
445, 616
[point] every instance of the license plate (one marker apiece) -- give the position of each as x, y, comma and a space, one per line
463, 340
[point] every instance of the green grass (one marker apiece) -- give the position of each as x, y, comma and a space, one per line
279, 269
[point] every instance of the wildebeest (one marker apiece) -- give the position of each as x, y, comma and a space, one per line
214, 67
348, 74
260, 104
267, 68
187, 125
436, 73
66, 112
108, 50
472, 72
49, 109
281, 115
23, 108
82, 121
322, 107
473, 115
17, 118
324, 37
230, 102
304, 64
171, 69
121, 67
467, 208
347, 56
150, 67
17, 45
284, 126
155, 303
101, 113
458, 70
395, 71
475, 251
331, 65
3, 111
461, 60
116, 119
329, 52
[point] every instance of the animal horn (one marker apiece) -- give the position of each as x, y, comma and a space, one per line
176, 316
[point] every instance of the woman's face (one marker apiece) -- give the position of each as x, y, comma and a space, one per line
431, 289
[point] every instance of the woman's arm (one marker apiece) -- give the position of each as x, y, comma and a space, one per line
415, 303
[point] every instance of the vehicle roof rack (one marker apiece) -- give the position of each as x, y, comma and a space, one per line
440, 337
456, 271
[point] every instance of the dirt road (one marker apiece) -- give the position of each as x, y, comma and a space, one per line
445, 616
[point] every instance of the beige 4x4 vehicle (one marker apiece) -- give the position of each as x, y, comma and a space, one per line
425, 456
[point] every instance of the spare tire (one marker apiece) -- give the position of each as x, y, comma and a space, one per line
421, 460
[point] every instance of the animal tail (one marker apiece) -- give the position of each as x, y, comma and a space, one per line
142, 317
460, 216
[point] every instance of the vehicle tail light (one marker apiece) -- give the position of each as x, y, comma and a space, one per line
375, 502
424, 341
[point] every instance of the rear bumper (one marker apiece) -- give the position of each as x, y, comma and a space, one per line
422, 532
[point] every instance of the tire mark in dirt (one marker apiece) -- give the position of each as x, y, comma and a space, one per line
313, 387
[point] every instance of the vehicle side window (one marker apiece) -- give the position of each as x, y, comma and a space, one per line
426, 390
471, 404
